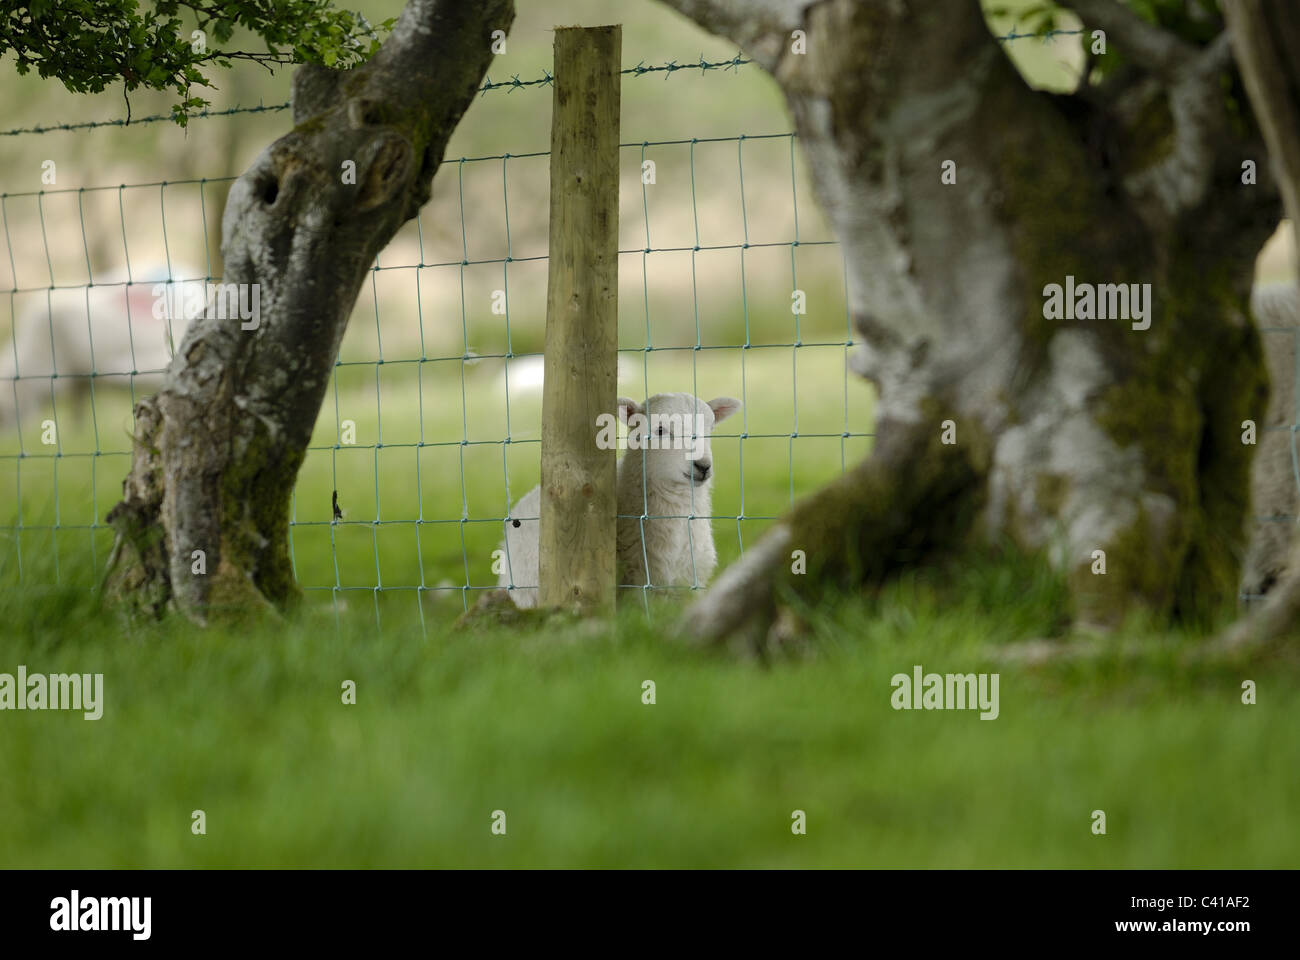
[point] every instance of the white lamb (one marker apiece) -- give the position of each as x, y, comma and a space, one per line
664, 489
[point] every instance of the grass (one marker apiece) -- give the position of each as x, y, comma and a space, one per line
549, 727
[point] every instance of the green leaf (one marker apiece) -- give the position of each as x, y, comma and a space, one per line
92, 45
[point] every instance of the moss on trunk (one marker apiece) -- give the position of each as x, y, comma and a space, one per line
915, 498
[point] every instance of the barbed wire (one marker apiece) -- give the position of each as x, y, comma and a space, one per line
1043, 35
156, 118
514, 83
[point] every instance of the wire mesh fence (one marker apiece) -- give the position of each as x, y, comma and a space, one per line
431, 429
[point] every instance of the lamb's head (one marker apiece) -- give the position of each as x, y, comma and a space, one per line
671, 433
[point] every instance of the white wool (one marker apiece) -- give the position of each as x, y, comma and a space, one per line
663, 511
522, 547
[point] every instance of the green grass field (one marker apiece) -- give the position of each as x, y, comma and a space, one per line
549, 726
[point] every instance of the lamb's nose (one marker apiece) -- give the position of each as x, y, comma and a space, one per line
703, 468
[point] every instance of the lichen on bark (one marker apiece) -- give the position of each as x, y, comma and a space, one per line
1099, 436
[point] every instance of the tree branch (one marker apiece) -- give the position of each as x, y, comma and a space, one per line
1266, 37
1196, 101
1189, 75
763, 28
428, 43
1179, 182
1157, 49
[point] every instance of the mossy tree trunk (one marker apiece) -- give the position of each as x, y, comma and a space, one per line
1071, 435
1266, 36
204, 521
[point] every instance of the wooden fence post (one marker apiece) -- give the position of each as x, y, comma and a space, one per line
579, 503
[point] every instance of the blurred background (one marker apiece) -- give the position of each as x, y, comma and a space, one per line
440, 371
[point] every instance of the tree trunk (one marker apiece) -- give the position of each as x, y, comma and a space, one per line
1072, 435
204, 521
1266, 36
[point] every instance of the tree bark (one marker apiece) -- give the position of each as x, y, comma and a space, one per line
203, 524
1266, 37
1075, 435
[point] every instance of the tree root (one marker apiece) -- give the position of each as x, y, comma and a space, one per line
914, 497
1265, 629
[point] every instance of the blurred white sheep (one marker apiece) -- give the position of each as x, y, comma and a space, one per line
66, 342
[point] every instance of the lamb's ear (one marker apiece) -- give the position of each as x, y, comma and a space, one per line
723, 407
626, 407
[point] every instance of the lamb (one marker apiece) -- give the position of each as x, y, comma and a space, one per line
121, 335
664, 488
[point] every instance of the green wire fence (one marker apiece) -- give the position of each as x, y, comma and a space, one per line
61, 490
404, 494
